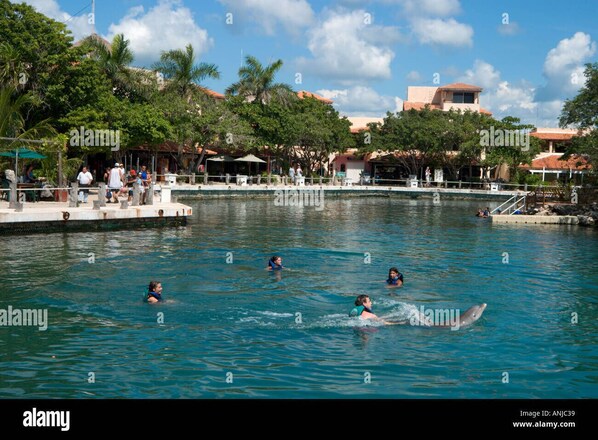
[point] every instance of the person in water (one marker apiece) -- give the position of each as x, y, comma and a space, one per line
363, 310
395, 278
275, 263
154, 293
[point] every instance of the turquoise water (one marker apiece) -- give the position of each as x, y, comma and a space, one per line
233, 330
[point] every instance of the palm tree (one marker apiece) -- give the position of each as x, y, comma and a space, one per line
12, 122
256, 82
115, 59
182, 73
11, 66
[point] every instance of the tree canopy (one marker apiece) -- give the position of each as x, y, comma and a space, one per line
582, 112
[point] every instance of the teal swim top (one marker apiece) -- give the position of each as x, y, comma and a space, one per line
357, 311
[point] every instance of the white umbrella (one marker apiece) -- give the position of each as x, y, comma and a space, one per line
250, 158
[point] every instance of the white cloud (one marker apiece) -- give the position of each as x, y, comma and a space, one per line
563, 67
290, 15
80, 26
439, 8
483, 74
442, 32
504, 98
509, 29
413, 76
541, 106
362, 101
345, 47
168, 25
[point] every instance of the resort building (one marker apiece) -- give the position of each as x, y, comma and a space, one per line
456, 96
548, 163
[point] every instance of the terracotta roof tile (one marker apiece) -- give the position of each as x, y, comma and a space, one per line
553, 162
461, 86
553, 136
303, 94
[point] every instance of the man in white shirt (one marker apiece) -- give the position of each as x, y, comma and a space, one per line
85, 178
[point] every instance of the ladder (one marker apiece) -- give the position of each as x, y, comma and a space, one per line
517, 204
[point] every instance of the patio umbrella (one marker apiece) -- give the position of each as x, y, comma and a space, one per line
250, 158
221, 158
23, 153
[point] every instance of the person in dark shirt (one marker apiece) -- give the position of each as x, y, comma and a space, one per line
395, 278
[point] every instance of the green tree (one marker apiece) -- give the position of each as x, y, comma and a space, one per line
256, 83
202, 123
38, 51
314, 130
137, 124
414, 136
114, 59
182, 73
513, 154
13, 107
582, 112
41, 43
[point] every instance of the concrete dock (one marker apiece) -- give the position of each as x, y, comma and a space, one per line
535, 219
57, 216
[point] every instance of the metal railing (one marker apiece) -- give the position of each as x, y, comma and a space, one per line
517, 203
275, 179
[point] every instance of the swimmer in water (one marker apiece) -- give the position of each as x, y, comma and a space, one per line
275, 263
395, 278
363, 310
154, 293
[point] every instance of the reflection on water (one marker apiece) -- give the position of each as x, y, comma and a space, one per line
287, 334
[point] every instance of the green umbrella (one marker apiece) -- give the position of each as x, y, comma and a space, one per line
23, 153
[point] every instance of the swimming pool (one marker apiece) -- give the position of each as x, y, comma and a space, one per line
230, 329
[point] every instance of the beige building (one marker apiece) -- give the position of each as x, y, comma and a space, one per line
456, 96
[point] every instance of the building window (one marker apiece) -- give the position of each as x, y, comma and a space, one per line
463, 98
343, 168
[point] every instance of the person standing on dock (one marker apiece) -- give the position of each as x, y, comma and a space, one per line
84, 178
428, 174
115, 183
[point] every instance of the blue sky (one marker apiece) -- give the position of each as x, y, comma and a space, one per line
527, 55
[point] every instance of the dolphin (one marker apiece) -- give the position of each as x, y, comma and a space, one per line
472, 314
466, 318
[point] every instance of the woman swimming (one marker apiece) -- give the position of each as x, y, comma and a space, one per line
275, 263
395, 278
154, 293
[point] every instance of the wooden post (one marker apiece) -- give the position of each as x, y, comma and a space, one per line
205, 178
192, 180
259, 179
269, 175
